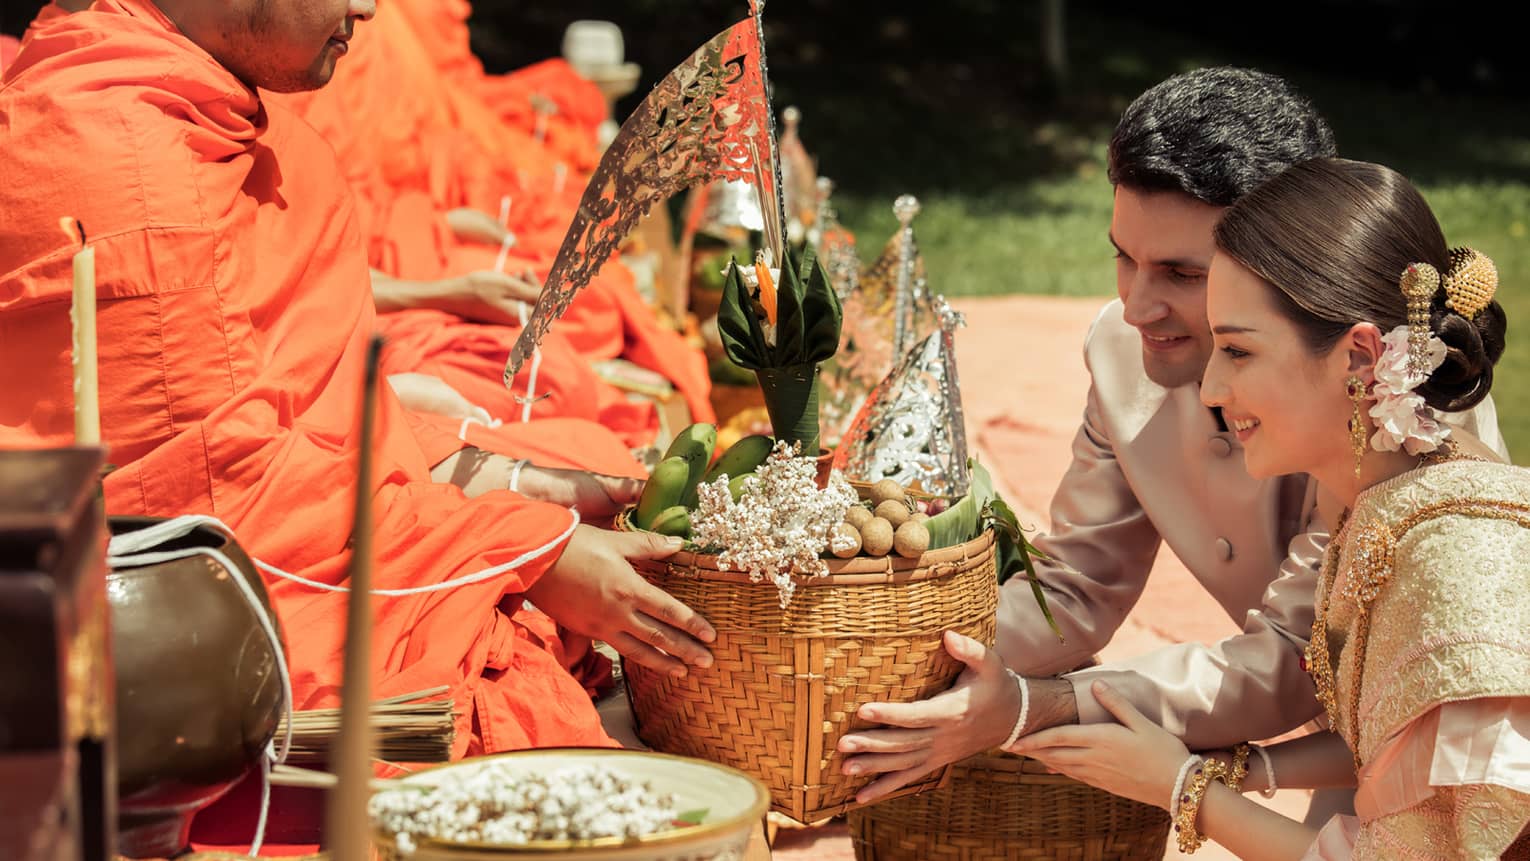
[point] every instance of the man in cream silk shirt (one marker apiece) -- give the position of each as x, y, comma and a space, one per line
1151, 466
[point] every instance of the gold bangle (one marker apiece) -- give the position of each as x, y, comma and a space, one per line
1239, 768
1190, 804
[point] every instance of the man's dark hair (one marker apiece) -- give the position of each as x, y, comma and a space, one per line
1215, 134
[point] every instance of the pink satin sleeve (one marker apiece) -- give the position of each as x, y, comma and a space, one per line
1477, 742
1482, 741
1336, 842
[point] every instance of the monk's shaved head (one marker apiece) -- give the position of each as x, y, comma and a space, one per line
279, 45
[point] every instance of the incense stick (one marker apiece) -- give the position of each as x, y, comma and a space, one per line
346, 826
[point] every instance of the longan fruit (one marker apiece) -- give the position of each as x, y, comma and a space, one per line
893, 511
911, 540
877, 537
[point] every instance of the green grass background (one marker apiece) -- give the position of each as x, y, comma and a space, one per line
1011, 173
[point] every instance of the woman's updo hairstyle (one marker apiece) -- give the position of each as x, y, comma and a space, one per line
1333, 237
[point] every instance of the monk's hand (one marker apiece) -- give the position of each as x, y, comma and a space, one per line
975, 715
1134, 758
429, 394
475, 225
592, 590
597, 496
487, 296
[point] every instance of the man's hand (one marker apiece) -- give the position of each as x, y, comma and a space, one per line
486, 296
429, 394
592, 590
490, 297
1135, 758
475, 225
595, 495
976, 714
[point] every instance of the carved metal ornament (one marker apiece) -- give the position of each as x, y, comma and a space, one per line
912, 428
708, 119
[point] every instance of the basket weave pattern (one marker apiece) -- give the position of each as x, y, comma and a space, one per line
786, 684
996, 807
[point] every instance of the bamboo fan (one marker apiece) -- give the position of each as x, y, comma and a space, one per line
412, 727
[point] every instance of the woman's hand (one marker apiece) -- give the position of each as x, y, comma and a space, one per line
1134, 759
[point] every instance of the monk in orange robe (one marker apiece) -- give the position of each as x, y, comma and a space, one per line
548, 99
234, 310
9, 45
420, 149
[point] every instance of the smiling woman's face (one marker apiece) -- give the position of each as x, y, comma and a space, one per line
1287, 406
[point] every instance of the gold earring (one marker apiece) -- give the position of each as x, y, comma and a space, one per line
1357, 438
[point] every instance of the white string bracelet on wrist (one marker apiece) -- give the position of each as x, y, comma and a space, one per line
1269, 770
1025, 707
515, 474
1179, 785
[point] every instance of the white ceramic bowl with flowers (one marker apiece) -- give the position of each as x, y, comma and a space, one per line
589, 804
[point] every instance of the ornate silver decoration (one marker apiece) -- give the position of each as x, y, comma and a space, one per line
709, 118
912, 428
732, 205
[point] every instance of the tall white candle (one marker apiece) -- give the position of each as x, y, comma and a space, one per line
87, 395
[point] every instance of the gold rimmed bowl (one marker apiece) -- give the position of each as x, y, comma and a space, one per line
733, 804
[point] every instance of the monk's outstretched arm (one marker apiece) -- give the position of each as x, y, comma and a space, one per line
595, 496
485, 297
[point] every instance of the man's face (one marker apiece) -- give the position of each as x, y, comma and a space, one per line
279, 45
1163, 250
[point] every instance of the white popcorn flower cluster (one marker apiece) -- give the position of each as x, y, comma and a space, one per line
780, 524
500, 804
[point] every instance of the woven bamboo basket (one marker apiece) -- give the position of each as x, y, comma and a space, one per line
1001, 807
786, 684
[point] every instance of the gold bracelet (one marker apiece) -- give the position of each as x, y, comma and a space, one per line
1190, 803
1239, 768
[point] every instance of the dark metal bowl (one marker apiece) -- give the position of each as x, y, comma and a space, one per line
198, 689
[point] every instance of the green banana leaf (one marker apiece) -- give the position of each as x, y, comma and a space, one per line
808, 320
982, 508
808, 317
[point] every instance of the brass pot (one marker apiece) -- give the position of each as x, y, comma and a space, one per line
198, 688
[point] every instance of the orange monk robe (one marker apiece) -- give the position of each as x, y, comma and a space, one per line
234, 311
644, 340
9, 45
522, 97
408, 237
397, 125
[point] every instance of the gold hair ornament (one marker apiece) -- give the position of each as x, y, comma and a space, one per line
1419, 283
1470, 283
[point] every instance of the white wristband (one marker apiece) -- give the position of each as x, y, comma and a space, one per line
515, 475
1025, 707
1269, 771
1179, 785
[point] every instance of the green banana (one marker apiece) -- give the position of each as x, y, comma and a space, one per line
674, 520
743, 457
694, 445
736, 485
662, 490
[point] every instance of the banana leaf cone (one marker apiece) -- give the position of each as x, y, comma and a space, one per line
784, 356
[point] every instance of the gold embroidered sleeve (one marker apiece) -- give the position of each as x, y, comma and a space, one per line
1466, 822
1452, 624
